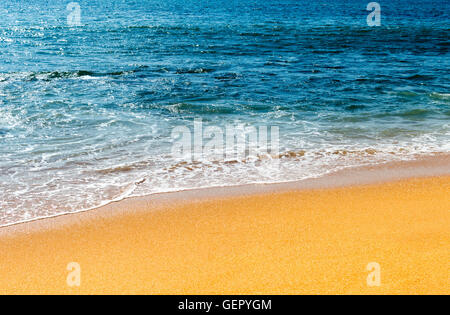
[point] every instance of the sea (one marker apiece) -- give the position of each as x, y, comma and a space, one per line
96, 94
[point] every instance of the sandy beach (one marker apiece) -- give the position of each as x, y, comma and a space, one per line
224, 147
267, 240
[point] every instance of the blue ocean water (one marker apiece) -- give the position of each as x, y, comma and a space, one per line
87, 112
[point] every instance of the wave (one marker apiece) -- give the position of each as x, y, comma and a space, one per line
194, 71
287, 155
416, 113
290, 155
419, 77
143, 165
54, 75
440, 96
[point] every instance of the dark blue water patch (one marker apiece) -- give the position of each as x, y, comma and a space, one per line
194, 71
419, 77
224, 77
354, 108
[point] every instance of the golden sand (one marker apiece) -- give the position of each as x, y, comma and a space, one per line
304, 242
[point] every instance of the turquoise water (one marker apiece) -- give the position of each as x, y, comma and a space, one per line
87, 112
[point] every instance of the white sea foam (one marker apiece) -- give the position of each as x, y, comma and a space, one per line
64, 191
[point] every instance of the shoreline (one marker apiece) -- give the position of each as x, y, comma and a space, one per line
313, 237
429, 166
